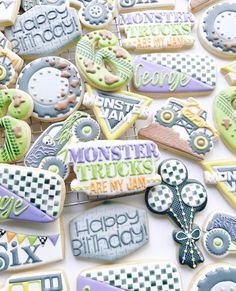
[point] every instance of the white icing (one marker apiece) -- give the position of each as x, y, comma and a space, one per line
8, 11
224, 23
46, 85
224, 286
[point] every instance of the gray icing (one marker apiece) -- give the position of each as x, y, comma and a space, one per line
213, 28
28, 4
44, 30
55, 86
7, 65
227, 175
97, 12
122, 106
108, 232
226, 277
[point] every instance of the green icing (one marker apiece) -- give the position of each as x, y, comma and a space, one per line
15, 103
225, 116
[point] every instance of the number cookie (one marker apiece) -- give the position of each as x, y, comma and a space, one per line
123, 230
225, 116
95, 14
180, 198
29, 194
91, 63
10, 66
215, 30
55, 86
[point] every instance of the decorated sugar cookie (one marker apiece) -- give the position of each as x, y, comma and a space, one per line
98, 48
215, 277
55, 86
215, 30
196, 5
43, 31
54, 280
161, 275
28, 4
29, 194
180, 198
113, 167
117, 230
182, 127
156, 30
225, 116
220, 234
116, 112
50, 150
229, 71
21, 250
95, 14
8, 12
222, 174
130, 5
10, 66
4, 42
175, 74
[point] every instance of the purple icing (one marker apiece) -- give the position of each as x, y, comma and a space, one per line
31, 213
144, 68
95, 285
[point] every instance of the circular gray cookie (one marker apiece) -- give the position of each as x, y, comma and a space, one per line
55, 86
217, 29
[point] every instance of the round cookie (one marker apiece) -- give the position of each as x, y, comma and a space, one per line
93, 63
55, 86
215, 277
216, 30
225, 116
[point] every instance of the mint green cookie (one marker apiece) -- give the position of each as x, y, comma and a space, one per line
15, 103
225, 116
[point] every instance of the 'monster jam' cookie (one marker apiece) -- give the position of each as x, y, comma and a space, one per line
216, 29
55, 86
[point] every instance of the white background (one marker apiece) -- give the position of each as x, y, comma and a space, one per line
161, 246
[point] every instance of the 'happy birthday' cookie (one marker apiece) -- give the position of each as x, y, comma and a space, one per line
43, 31
156, 30
215, 30
175, 74
28, 4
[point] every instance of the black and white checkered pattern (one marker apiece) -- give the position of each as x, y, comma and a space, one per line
173, 172
194, 194
42, 191
161, 276
199, 67
160, 198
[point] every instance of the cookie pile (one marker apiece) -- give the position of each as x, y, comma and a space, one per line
86, 72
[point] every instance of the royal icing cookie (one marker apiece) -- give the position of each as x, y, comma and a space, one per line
150, 276
225, 116
55, 86
116, 112
93, 63
229, 72
220, 234
181, 127
4, 42
174, 74
95, 14
50, 150
130, 5
215, 277
52, 280
156, 30
222, 174
30, 194
196, 5
21, 250
28, 4
10, 66
8, 12
180, 198
112, 167
215, 30
44, 30
117, 230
